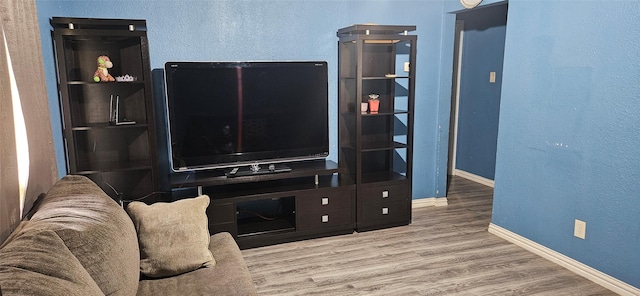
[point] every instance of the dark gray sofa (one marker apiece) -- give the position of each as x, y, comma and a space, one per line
78, 241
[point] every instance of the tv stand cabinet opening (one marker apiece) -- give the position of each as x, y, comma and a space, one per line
312, 200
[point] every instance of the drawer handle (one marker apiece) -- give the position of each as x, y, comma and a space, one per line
385, 211
325, 218
325, 201
385, 194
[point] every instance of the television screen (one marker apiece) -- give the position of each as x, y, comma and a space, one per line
229, 114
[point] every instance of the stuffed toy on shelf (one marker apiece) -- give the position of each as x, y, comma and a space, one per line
102, 73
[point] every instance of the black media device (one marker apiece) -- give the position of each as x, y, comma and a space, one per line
255, 116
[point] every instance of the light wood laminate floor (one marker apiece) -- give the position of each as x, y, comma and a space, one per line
445, 251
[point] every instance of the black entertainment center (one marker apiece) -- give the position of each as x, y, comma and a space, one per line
254, 135
269, 192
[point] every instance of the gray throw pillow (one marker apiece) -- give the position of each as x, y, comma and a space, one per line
173, 237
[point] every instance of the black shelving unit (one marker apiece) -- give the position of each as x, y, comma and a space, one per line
120, 158
376, 148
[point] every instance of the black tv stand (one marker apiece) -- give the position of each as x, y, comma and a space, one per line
257, 169
298, 201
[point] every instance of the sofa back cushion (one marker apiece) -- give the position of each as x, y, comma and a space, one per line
95, 229
37, 262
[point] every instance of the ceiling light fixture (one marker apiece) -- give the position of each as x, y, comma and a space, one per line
468, 4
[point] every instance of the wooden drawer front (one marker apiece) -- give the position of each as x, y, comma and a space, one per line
323, 218
386, 211
377, 194
221, 213
330, 200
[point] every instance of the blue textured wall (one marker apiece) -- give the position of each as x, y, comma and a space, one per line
276, 30
479, 103
570, 131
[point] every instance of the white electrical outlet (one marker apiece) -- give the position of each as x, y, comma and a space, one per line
580, 229
406, 66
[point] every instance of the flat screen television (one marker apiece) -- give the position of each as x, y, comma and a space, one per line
233, 114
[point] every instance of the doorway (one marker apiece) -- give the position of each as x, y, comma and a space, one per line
475, 95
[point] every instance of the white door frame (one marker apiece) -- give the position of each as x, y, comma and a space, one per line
455, 97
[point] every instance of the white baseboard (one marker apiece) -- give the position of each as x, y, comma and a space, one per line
429, 202
573, 265
474, 177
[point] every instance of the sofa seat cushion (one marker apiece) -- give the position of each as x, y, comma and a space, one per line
173, 237
229, 276
95, 229
37, 262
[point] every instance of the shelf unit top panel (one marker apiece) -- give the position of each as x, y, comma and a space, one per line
99, 24
370, 29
